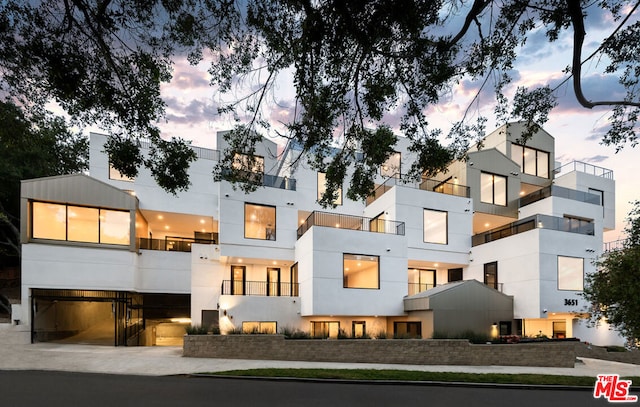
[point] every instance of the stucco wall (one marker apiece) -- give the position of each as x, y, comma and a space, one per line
401, 351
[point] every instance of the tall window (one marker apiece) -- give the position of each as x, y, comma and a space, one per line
493, 189
273, 281
570, 273
378, 223
435, 226
531, 161
259, 222
392, 167
294, 280
361, 271
322, 187
454, 275
238, 280
421, 280
80, 224
358, 329
325, 329
491, 274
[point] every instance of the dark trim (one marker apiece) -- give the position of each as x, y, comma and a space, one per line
360, 254
275, 221
446, 225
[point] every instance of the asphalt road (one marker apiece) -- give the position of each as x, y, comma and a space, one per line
53, 389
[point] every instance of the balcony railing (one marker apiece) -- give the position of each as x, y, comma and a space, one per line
614, 245
554, 190
263, 288
443, 187
173, 243
260, 178
201, 152
586, 168
534, 222
332, 220
415, 288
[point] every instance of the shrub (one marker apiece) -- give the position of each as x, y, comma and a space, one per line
471, 336
381, 335
195, 330
235, 331
614, 348
342, 334
291, 333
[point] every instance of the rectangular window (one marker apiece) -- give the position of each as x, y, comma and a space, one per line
493, 189
259, 327
294, 280
435, 226
570, 273
421, 280
249, 167
531, 161
454, 275
259, 222
377, 224
408, 329
325, 329
322, 187
361, 271
491, 274
358, 329
238, 280
80, 224
578, 225
273, 281
392, 167
117, 175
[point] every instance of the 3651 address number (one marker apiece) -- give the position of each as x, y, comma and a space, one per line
570, 302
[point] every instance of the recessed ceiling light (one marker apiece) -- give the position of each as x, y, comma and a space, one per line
160, 217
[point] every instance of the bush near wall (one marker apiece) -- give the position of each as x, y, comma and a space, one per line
409, 351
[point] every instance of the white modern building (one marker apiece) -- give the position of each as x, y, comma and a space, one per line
499, 244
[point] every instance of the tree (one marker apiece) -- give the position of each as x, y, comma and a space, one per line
354, 64
31, 147
614, 291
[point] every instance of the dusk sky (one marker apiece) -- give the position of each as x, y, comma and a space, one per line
192, 107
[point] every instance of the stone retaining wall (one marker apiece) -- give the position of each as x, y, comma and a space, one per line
398, 351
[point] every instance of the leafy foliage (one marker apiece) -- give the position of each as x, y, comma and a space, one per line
359, 69
32, 146
615, 290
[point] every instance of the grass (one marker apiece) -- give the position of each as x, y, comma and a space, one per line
409, 375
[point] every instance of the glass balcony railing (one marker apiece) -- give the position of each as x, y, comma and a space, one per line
586, 168
570, 225
332, 220
554, 190
173, 243
259, 178
442, 187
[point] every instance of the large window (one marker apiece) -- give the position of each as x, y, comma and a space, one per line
570, 273
435, 226
259, 327
530, 160
325, 329
361, 271
322, 187
454, 275
80, 224
249, 167
491, 274
407, 329
259, 222
493, 189
392, 167
421, 280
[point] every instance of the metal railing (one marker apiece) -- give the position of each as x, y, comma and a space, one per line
262, 288
614, 245
173, 243
415, 288
443, 187
201, 152
332, 220
586, 168
534, 222
260, 178
554, 190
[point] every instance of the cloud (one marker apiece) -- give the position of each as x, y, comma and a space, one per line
594, 159
194, 112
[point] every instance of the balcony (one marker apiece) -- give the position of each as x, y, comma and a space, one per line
173, 243
332, 220
587, 168
260, 178
448, 188
262, 288
561, 192
534, 222
614, 245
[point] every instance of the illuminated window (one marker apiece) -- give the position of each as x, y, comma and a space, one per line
407, 329
252, 164
358, 329
531, 161
435, 226
325, 329
421, 280
391, 168
80, 224
322, 187
570, 273
361, 271
259, 327
259, 222
493, 189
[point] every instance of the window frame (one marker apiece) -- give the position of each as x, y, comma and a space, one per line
450, 273
561, 287
446, 226
536, 159
275, 222
338, 200
494, 273
408, 323
344, 276
493, 189
260, 330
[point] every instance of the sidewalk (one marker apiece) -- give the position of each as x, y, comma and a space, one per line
161, 361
